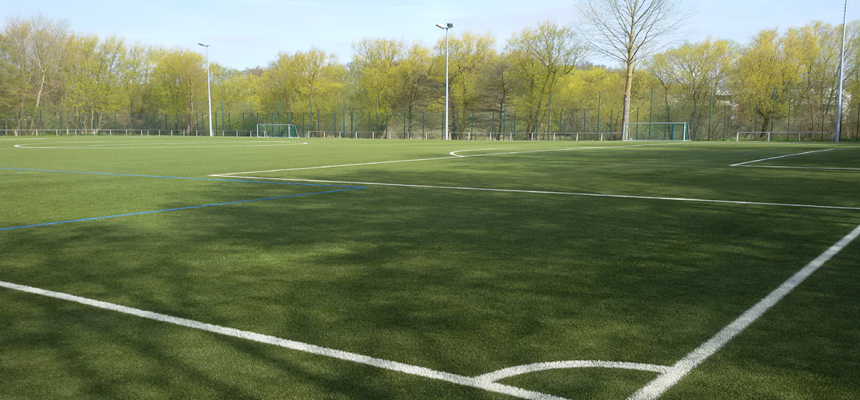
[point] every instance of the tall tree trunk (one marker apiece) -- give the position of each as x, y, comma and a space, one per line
39, 94
628, 89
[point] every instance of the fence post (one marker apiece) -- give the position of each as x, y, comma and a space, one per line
598, 110
773, 110
651, 114
693, 125
549, 115
611, 115
710, 111
492, 124
560, 120
504, 115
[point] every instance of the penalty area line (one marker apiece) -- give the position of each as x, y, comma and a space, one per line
291, 344
452, 155
665, 381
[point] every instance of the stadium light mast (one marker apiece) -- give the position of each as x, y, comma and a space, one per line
446, 27
208, 88
838, 129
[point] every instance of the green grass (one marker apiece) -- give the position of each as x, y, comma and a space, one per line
455, 280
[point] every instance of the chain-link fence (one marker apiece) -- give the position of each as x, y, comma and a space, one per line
719, 117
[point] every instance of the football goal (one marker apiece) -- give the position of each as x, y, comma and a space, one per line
277, 130
656, 131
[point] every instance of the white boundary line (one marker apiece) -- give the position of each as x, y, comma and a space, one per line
616, 196
665, 381
293, 345
812, 168
746, 164
783, 156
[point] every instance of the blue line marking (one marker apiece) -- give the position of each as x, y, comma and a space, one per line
343, 188
174, 209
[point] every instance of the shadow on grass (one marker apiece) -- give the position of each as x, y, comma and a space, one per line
460, 282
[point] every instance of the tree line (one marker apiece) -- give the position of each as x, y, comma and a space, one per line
53, 77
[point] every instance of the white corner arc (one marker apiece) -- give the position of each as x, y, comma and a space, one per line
545, 366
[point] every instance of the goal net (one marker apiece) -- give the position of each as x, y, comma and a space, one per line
277, 130
656, 131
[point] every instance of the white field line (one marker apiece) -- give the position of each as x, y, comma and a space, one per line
812, 168
616, 196
454, 153
449, 157
231, 174
293, 345
774, 158
665, 381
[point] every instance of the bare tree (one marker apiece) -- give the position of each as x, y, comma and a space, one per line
628, 31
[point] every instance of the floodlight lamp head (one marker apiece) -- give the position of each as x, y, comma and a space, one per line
204, 45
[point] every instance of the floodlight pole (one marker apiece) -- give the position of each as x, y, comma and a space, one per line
838, 130
446, 27
208, 88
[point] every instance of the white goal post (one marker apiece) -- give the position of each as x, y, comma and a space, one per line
656, 131
277, 130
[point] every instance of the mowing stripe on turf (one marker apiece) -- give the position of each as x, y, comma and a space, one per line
658, 386
616, 196
294, 345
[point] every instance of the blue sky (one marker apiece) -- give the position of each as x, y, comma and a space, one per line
249, 33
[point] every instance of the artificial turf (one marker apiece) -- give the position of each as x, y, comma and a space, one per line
612, 251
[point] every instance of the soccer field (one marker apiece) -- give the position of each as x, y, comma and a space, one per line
251, 268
